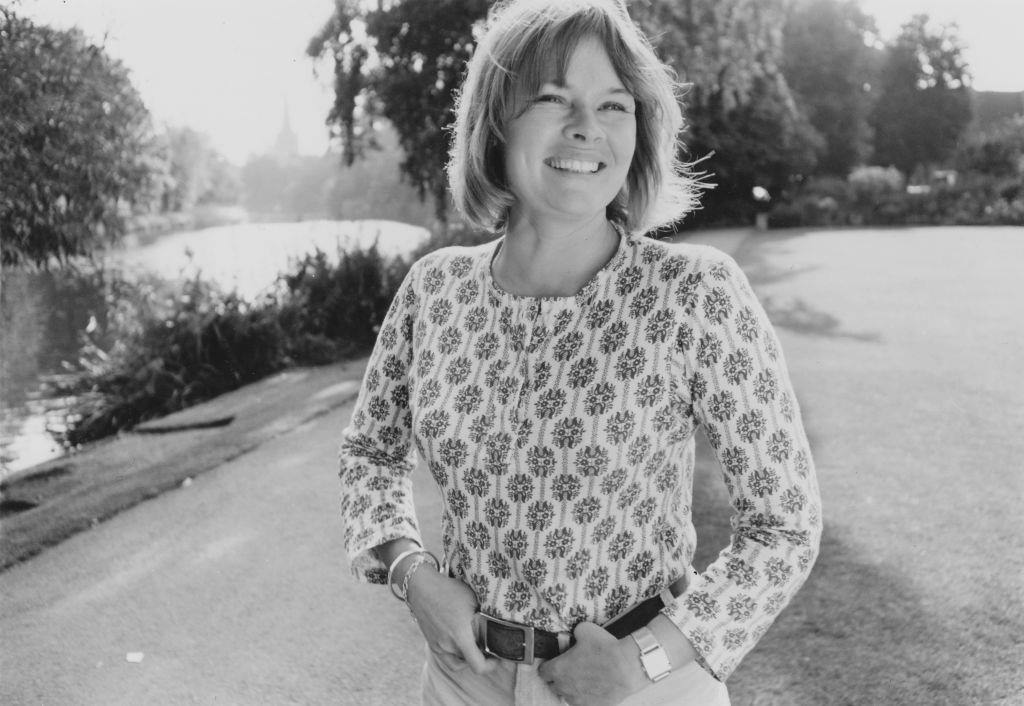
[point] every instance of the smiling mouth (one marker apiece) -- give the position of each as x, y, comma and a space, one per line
575, 166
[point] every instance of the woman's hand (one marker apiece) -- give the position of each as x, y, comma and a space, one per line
444, 608
599, 669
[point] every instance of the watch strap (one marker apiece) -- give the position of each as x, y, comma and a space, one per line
653, 657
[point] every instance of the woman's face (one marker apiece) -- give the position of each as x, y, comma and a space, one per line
567, 155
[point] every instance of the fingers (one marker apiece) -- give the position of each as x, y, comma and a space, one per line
463, 648
474, 656
451, 661
586, 632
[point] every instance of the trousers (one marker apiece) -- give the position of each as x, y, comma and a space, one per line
514, 684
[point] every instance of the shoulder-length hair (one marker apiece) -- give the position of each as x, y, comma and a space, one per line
524, 42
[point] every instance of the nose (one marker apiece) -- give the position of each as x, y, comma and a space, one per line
583, 126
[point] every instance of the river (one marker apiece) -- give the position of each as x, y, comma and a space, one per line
46, 314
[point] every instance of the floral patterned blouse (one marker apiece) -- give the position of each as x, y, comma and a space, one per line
560, 433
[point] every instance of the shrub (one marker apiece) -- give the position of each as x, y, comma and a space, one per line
329, 310
172, 350
877, 194
821, 201
165, 346
997, 151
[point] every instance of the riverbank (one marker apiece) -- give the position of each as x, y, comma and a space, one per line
61, 322
48, 503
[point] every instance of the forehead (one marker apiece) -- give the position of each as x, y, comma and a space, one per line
550, 61
588, 63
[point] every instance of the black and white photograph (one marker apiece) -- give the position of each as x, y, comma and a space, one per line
512, 352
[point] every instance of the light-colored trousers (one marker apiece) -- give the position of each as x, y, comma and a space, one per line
520, 685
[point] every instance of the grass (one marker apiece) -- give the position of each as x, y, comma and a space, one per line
902, 345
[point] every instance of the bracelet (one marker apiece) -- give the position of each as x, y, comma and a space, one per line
419, 561
423, 555
394, 565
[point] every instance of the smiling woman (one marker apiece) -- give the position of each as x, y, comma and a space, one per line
656, 190
553, 381
568, 151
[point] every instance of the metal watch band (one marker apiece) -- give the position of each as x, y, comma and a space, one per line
652, 655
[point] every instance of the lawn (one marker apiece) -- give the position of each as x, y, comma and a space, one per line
905, 350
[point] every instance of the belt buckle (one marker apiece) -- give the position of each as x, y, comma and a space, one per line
527, 631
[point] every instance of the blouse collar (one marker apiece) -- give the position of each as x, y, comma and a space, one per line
586, 294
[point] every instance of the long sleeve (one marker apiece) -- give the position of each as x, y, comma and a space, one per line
741, 394
376, 454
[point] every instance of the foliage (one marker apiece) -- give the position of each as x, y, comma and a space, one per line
198, 174
820, 201
331, 309
174, 347
877, 196
419, 50
870, 183
924, 103
997, 151
739, 107
830, 66
74, 136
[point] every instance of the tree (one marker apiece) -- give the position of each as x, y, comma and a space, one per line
830, 67
419, 50
74, 142
198, 173
738, 106
924, 103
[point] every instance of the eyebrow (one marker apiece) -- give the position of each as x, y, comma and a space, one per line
618, 90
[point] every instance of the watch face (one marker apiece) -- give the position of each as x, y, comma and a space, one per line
656, 664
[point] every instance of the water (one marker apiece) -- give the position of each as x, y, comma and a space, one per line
45, 315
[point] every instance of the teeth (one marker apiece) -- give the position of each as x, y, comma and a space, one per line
575, 165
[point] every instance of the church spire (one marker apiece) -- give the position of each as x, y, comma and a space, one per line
286, 147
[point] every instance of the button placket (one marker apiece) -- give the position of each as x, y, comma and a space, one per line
532, 315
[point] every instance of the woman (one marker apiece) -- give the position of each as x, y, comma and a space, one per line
553, 380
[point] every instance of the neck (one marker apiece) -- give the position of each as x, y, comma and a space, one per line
552, 260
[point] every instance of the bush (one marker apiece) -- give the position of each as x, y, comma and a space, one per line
172, 350
330, 310
997, 151
821, 201
165, 347
877, 195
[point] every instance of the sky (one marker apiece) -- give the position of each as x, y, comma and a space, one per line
230, 68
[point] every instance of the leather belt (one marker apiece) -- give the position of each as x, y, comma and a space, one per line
516, 642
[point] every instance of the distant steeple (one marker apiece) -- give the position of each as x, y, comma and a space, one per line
286, 147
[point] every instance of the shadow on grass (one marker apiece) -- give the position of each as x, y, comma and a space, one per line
799, 316
856, 633
761, 269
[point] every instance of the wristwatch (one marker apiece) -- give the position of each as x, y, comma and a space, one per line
652, 655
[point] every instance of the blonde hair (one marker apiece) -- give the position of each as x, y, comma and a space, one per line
524, 40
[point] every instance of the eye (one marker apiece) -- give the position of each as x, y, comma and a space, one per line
616, 106
547, 98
